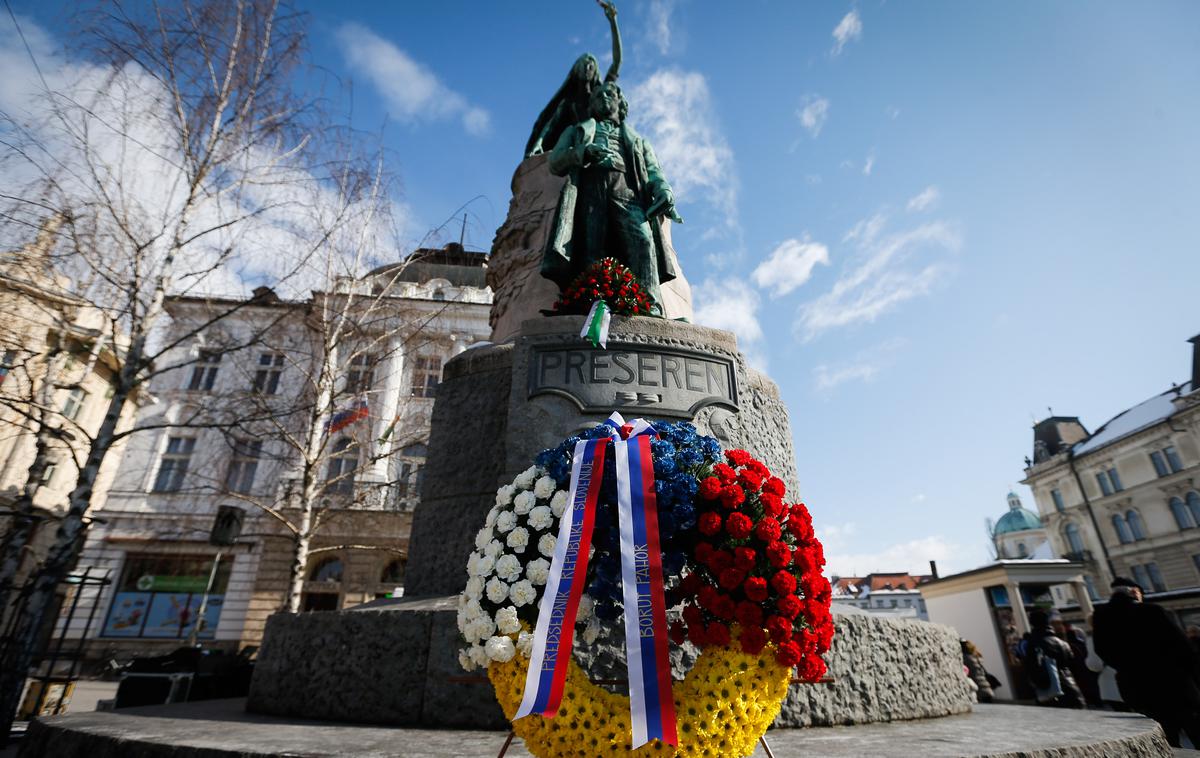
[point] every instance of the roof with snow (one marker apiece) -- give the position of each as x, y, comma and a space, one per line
1141, 416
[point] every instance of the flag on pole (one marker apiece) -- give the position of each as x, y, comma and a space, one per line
595, 326
343, 419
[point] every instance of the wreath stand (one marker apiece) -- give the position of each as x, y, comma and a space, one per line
511, 734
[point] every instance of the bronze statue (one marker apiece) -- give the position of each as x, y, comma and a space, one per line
570, 103
613, 201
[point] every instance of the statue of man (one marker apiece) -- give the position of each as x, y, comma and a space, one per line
613, 201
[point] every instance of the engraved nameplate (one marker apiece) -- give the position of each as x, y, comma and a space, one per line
640, 378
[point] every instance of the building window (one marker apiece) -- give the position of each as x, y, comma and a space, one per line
1173, 461
204, 370
392, 576
1140, 576
343, 460
1105, 487
266, 378
174, 464
159, 596
1074, 541
1136, 528
1021, 551
74, 403
1115, 480
1184, 518
1090, 583
1122, 529
426, 376
243, 464
328, 572
361, 375
1056, 496
1156, 579
1193, 504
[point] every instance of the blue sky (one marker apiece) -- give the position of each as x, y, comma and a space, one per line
928, 221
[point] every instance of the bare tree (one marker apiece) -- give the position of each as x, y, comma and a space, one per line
172, 161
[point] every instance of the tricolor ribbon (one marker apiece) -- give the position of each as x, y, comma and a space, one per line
652, 709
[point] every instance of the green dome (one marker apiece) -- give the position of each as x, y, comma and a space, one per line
1017, 520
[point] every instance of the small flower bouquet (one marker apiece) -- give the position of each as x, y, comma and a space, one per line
609, 280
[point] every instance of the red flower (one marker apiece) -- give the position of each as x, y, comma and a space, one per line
693, 616
710, 488
678, 633
803, 559
703, 552
717, 634
750, 480
720, 560
758, 468
788, 654
816, 587
775, 486
772, 504
707, 597
724, 608
743, 557
779, 554
824, 637
691, 584
753, 640
802, 528
748, 614
738, 525
767, 530
783, 583
709, 523
697, 635
780, 628
737, 457
725, 473
799, 512
789, 606
732, 496
755, 588
731, 579
812, 668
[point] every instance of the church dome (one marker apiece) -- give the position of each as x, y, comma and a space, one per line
1017, 519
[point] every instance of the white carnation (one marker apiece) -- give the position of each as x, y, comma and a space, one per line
479, 629
472, 610
506, 521
497, 591
506, 620
490, 521
524, 502
485, 565
591, 631
474, 589
464, 660
538, 571
586, 604
546, 544
504, 495
494, 549
500, 649
484, 537
518, 538
525, 644
540, 518
558, 503
525, 479
473, 564
508, 567
544, 487
522, 593
479, 656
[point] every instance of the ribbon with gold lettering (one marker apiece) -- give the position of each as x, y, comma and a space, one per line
651, 706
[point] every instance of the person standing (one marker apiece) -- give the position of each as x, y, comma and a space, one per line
1157, 671
1048, 665
1085, 678
985, 683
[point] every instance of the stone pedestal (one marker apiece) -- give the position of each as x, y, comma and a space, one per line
500, 405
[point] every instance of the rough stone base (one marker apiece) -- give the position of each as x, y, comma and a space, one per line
396, 662
221, 729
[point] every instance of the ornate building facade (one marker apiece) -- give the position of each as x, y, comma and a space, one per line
229, 428
1018, 533
1125, 500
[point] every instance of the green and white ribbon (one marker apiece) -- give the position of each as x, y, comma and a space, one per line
595, 327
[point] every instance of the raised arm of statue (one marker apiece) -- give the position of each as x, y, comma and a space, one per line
614, 70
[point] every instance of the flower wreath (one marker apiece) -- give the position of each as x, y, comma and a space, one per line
742, 582
609, 280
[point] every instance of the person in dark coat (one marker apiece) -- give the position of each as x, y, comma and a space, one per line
985, 683
1157, 671
1055, 687
1087, 679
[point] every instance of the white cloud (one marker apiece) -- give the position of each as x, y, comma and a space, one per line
673, 109
658, 25
732, 304
789, 265
892, 112
411, 91
813, 111
849, 28
844, 555
864, 366
868, 164
925, 200
887, 270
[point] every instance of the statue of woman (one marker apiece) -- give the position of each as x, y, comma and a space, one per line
570, 104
